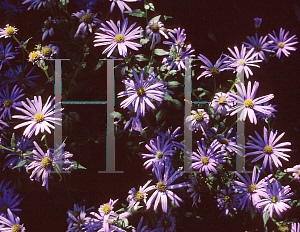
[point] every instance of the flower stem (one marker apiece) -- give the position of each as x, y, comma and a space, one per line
2, 147
46, 144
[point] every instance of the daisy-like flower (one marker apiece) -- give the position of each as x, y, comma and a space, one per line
44, 162
260, 46
195, 189
274, 198
207, 160
135, 197
268, 148
118, 36
6, 54
36, 4
165, 175
141, 92
227, 200
107, 209
296, 172
77, 219
282, 44
121, 4
11, 223
76, 213
295, 227
49, 51
8, 101
88, 20
48, 27
249, 189
166, 223
5, 5
198, 120
4, 187
221, 103
242, 60
154, 30
134, 119
266, 116
35, 56
215, 69
257, 22
248, 104
38, 117
179, 40
171, 136
8, 31
228, 144
9, 201
139, 228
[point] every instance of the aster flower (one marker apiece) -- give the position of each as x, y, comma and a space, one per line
36, 4
295, 227
48, 27
4, 187
77, 219
248, 104
9, 201
266, 116
6, 54
268, 149
274, 198
215, 69
282, 44
134, 119
8, 101
166, 223
135, 197
44, 162
88, 20
38, 117
227, 200
179, 41
8, 31
249, 189
242, 60
50, 51
165, 175
11, 223
5, 5
141, 92
86, 4
35, 56
260, 46
154, 30
122, 5
195, 188
207, 160
120, 37
198, 120
139, 228
221, 103
76, 212
296, 172
257, 22
171, 136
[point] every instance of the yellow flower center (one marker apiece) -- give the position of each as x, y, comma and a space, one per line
119, 38
66, 165
155, 27
106, 209
178, 58
2, 57
87, 18
166, 223
141, 92
258, 48
268, 150
214, 70
34, 56
132, 113
242, 62
8, 103
39, 117
139, 196
159, 155
76, 213
4, 209
204, 160
298, 172
249, 104
10, 31
46, 162
251, 188
47, 51
161, 186
281, 45
224, 141
222, 101
227, 199
16, 228
274, 199
199, 117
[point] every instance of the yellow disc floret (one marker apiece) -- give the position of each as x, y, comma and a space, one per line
214, 70
222, 101
139, 196
10, 31
155, 27
274, 199
249, 104
87, 18
281, 45
34, 56
106, 209
47, 51
141, 92
204, 160
268, 150
119, 38
242, 62
228, 199
16, 228
199, 117
7, 103
161, 186
46, 162
224, 141
251, 188
39, 117
159, 155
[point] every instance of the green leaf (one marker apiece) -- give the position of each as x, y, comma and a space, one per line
64, 2
167, 97
155, 18
188, 214
159, 115
173, 84
176, 104
77, 166
167, 17
13, 143
26, 42
141, 58
159, 52
116, 115
136, 13
144, 41
21, 164
266, 217
43, 137
100, 63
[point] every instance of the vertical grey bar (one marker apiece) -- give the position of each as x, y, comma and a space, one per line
57, 94
110, 130
187, 112
240, 160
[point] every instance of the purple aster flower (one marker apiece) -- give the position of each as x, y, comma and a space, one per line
260, 46
76, 212
227, 200
88, 20
38, 117
11, 223
195, 188
121, 4
266, 116
118, 37
135, 197
221, 103
86, 4
4, 187
282, 44
48, 27
8, 101
77, 219
165, 175
171, 136
139, 228
50, 51
295, 227
257, 22
248, 104
198, 120
250, 189
134, 119
36, 4
268, 149
296, 172
166, 223
207, 160
9, 201
8, 31
274, 198
6, 54
35, 56
242, 60
211, 69
44, 162
154, 30
141, 92
179, 41
5, 5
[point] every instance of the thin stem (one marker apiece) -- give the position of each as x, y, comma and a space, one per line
225, 131
236, 80
2, 147
46, 144
146, 14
